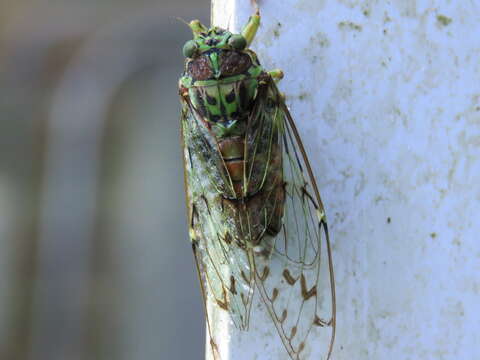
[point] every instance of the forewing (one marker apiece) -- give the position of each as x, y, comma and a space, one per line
224, 266
297, 283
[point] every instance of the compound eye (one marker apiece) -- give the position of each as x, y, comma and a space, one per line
190, 48
237, 41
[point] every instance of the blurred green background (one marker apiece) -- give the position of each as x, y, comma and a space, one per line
95, 261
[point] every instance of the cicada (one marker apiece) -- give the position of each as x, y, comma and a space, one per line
256, 220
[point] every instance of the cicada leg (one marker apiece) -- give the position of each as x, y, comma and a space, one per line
251, 28
276, 74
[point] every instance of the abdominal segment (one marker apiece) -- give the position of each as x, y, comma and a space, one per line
257, 208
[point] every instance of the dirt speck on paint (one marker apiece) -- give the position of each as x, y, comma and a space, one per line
349, 26
443, 20
303, 96
320, 39
386, 18
366, 11
276, 30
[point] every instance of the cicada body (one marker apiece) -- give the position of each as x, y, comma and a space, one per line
257, 222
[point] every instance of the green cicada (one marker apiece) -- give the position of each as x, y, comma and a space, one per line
257, 223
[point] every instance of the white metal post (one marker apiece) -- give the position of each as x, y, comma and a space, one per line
386, 96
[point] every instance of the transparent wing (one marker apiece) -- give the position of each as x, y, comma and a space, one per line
226, 271
297, 282
224, 266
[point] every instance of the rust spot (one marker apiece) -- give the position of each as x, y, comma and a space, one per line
301, 347
307, 294
288, 277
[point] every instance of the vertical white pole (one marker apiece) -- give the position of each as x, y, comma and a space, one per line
261, 341
386, 96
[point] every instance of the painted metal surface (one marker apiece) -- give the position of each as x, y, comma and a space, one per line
387, 99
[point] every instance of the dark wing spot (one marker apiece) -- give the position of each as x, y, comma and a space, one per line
266, 271
307, 294
233, 289
284, 316
228, 238
274, 294
222, 304
321, 323
214, 346
301, 347
288, 277
293, 332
